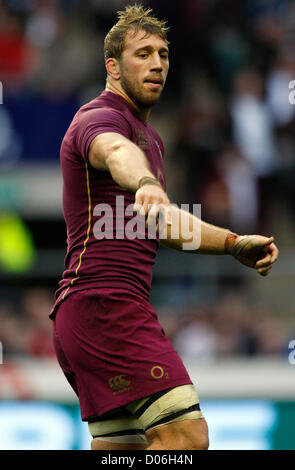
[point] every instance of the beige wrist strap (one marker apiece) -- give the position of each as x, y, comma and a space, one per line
147, 180
230, 242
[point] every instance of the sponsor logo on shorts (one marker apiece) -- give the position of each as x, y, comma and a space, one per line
157, 372
119, 384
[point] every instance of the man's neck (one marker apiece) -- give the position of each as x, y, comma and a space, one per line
143, 113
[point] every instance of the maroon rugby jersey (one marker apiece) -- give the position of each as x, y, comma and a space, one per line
114, 260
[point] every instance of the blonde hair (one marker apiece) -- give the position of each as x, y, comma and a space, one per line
134, 17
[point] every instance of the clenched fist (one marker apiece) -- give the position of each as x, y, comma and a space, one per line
255, 251
150, 200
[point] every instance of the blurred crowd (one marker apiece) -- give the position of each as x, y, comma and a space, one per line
230, 136
25, 328
231, 326
236, 125
228, 94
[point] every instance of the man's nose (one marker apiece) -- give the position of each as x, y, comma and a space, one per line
156, 63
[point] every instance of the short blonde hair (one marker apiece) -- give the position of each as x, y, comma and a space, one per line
134, 17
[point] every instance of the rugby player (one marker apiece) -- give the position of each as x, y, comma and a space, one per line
133, 388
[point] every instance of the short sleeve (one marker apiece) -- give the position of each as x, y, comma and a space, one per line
98, 121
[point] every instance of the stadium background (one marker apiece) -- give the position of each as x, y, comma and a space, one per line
228, 127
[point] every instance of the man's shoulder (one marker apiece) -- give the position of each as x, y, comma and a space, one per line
100, 106
98, 116
105, 113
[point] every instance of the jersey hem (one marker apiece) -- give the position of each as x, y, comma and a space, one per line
67, 291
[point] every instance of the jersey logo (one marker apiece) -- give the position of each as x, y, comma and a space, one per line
119, 384
142, 142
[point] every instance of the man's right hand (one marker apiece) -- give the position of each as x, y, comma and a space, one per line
150, 200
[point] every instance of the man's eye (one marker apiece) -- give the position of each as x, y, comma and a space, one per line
142, 55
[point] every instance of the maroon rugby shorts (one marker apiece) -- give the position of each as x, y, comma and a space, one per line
113, 350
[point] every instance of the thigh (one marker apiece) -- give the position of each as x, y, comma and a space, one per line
168, 406
172, 420
188, 434
172, 417
116, 430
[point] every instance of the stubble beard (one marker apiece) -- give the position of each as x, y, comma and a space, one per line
143, 99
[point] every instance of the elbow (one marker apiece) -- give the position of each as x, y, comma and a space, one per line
113, 153
114, 148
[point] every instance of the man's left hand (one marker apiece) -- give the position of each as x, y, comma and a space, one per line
255, 251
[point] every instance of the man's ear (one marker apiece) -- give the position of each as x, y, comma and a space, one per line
113, 68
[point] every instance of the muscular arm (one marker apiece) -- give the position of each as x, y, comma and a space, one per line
122, 158
127, 164
255, 251
188, 229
